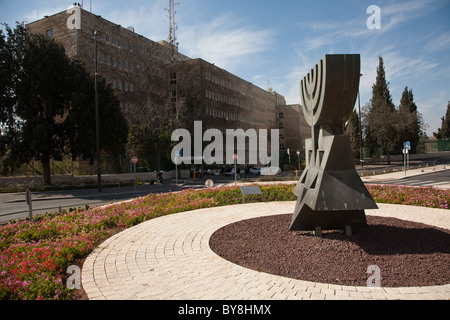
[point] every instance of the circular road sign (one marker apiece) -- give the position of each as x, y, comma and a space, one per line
134, 160
209, 183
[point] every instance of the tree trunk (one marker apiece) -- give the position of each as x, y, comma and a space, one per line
46, 169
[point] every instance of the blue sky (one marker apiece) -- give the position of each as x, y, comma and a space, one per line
275, 43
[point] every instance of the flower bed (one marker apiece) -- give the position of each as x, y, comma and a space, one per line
34, 255
414, 196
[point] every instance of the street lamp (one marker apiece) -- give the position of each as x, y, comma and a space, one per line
361, 160
97, 124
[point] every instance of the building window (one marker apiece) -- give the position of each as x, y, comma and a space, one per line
107, 38
119, 86
113, 41
130, 67
119, 42
50, 33
281, 125
125, 85
280, 115
113, 62
125, 66
173, 96
131, 87
119, 64
173, 78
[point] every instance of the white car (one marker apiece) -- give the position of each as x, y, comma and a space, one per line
255, 170
270, 171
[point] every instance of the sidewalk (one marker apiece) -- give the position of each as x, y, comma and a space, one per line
409, 173
170, 258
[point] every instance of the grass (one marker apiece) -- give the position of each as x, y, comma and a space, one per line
34, 255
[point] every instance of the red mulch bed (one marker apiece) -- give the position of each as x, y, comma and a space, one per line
407, 253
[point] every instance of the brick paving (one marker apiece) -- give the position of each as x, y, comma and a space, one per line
169, 258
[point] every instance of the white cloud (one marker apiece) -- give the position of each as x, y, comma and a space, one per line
223, 41
147, 19
40, 13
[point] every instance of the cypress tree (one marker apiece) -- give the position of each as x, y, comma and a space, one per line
382, 121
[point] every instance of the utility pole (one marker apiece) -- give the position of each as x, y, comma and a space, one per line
361, 159
97, 120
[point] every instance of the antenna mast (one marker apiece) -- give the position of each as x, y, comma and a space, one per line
172, 39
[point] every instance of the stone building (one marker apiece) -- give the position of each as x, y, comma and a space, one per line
293, 127
148, 74
131, 63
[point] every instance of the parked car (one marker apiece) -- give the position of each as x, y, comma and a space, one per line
255, 170
229, 172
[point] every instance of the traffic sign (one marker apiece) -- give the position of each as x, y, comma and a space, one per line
235, 156
408, 145
134, 160
298, 152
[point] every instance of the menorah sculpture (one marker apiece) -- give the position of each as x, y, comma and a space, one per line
331, 195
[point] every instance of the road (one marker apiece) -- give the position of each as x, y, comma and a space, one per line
434, 179
14, 206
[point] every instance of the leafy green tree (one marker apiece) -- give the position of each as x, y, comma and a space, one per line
54, 110
352, 129
382, 122
81, 117
12, 50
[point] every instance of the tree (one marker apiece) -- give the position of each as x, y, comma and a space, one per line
411, 123
12, 50
54, 108
444, 130
352, 129
382, 122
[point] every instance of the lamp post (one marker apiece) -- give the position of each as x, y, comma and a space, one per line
97, 120
361, 160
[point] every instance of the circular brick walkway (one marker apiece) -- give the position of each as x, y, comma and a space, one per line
170, 258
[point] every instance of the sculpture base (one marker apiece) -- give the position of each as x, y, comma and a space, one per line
309, 220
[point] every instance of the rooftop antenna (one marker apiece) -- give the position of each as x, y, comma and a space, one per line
172, 39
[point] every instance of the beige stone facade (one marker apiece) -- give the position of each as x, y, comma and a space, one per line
145, 74
293, 127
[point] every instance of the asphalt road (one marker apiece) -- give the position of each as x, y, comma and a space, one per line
14, 206
423, 180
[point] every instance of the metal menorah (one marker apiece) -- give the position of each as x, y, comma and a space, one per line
331, 195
